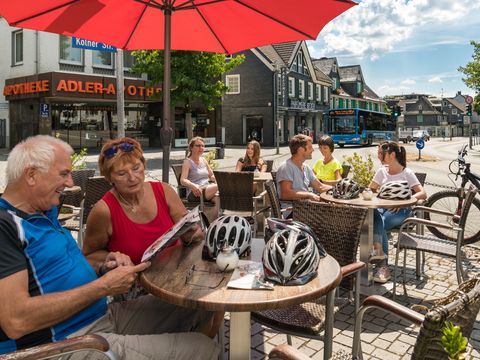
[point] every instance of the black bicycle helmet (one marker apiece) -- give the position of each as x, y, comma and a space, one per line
290, 257
232, 231
346, 189
395, 190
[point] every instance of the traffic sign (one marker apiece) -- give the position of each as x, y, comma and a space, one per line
468, 99
44, 110
420, 144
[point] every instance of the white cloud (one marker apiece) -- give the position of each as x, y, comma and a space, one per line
375, 27
435, 79
409, 82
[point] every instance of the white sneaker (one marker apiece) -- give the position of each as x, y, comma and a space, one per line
382, 275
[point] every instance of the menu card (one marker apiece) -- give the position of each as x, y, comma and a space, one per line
249, 275
177, 230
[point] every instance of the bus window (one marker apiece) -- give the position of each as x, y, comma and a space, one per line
361, 124
343, 125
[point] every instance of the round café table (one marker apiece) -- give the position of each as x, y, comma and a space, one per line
168, 279
366, 240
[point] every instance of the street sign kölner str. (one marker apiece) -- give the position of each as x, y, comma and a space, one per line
91, 45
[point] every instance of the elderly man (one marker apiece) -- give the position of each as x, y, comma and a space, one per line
294, 178
49, 291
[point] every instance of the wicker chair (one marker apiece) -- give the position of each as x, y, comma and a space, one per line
56, 349
461, 307
339, 229
96, 187
235, 191
410, 240
275, 207
182, 190
269, 165
79, 179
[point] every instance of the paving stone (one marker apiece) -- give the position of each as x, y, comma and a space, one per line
380, 343
389, 336
407, 339
315, 344
344, 340
383, 354
399, 347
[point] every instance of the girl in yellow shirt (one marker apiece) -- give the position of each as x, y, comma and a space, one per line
328, 170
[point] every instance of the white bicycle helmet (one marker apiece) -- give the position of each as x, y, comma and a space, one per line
291, 257
395, 190
232, 231
274, 225
346, 189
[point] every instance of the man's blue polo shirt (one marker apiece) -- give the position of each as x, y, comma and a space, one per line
37, 243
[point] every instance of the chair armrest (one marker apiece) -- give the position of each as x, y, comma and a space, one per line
86, 342
352, 268
261, 195
413, 220
429, 209
286, 352
393, 308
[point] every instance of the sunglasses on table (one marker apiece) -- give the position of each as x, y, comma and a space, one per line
112, 151
192, 270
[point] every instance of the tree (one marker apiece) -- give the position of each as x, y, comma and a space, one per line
472, 74
195, 76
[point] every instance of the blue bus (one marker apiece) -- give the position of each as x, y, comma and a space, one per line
359, 126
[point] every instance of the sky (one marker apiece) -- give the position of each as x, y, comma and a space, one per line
405, 46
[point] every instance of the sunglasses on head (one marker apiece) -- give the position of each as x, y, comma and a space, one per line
112, 151
385, 147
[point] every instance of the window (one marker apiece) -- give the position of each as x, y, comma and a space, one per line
325, 94
310, 91
319, 92
454, 111
347, 103
334, 68
233, 84
69, 54
128, 59
419, 118
359, 87
291, 87
102, 59
300, 62
17, 47
301, 89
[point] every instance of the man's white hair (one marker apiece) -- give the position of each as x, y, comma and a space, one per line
35, 151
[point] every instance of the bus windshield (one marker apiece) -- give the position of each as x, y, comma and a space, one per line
343, 124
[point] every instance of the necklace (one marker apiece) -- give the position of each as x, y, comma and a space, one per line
131, 207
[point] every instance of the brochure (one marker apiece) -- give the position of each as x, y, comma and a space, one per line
177, 230
249, 275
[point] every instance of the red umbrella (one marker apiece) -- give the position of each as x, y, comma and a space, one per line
224, 26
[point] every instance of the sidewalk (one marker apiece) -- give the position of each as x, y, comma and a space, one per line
384, 336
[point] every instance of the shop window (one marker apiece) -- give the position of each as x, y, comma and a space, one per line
69, 54
17, 47
102, 59
233, 84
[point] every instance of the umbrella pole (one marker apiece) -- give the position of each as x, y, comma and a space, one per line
166, 130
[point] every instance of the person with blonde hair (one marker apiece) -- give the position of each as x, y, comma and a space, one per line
252, 160
197, 176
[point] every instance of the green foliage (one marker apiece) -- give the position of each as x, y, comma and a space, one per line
472, 73
362, 168
453, 341
78, 159
210, 157
195, 75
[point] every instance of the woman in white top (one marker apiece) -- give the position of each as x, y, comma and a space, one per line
394, 157
197, 176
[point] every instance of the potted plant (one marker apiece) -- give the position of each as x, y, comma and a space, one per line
453, 341
362, 168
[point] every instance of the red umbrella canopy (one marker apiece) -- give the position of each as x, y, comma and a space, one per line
224, 26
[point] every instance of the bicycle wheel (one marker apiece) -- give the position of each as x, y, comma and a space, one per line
447, 200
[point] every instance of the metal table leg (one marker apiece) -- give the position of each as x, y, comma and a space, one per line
240, 334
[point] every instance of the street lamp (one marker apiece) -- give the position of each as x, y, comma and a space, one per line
277, 69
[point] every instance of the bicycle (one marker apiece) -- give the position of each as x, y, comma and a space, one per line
452, 201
